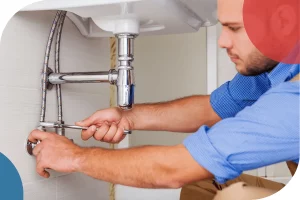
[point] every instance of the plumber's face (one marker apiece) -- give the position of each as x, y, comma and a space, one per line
248, 59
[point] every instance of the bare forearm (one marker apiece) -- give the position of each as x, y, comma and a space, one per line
146, 167
181, 115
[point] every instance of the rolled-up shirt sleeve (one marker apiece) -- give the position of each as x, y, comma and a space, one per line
262, 134
233, 96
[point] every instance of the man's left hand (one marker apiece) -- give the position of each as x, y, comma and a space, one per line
55, 152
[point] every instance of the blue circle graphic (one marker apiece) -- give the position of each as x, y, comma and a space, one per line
11, 187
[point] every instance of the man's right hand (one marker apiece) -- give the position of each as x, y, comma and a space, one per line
183, 115
106, 125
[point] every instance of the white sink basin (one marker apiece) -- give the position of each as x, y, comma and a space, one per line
100, 18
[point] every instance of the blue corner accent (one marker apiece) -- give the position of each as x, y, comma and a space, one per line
11, 187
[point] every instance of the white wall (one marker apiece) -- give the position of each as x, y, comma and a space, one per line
21, 59
167, 68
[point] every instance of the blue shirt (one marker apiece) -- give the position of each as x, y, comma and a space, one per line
259, 126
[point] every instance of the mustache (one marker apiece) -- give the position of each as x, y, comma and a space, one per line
230, 54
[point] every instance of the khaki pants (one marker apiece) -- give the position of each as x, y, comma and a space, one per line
245, 187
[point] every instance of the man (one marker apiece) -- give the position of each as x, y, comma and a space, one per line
250, 122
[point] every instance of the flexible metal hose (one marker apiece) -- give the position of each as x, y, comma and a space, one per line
60, 131
46, 63
57, 64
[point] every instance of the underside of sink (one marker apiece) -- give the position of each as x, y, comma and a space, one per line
103, 18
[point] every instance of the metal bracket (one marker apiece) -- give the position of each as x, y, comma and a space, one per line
49, 86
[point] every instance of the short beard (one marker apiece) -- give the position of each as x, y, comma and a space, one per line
258, 64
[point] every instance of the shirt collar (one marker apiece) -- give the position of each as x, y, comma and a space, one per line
283, 72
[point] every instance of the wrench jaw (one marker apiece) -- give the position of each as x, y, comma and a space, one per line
59, 126
60, 130
50, 125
